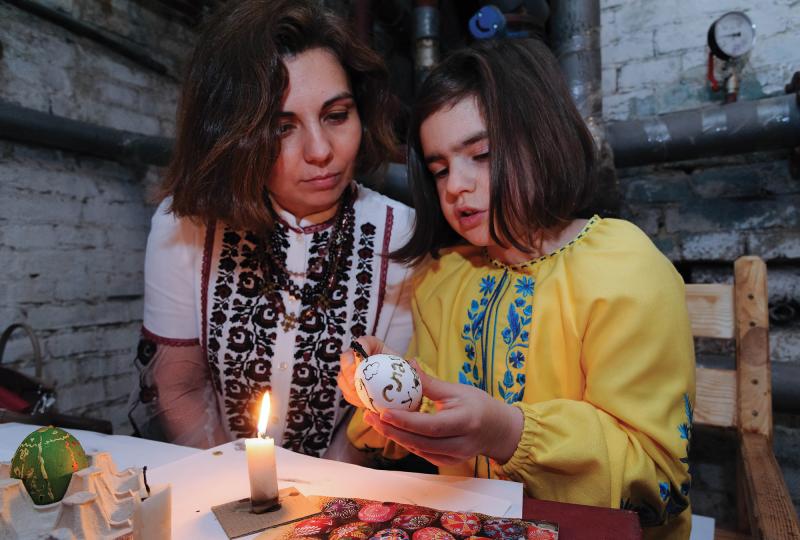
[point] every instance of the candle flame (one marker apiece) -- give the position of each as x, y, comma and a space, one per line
264, 415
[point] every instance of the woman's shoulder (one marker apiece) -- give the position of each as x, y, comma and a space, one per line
371, 200
168, 229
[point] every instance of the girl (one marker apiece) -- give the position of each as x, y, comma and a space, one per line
558, 350
265, 256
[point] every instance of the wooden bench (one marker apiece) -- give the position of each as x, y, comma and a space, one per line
742, 399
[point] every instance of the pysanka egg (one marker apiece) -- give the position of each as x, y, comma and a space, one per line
385, 381
45, 462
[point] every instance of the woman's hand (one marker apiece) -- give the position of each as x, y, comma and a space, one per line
348, 364
468, 422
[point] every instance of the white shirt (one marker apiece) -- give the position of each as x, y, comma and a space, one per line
202, 285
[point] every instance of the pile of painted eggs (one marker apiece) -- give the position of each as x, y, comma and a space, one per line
351, 519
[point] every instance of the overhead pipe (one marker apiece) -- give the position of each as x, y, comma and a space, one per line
733, 128
35, 127
80, 28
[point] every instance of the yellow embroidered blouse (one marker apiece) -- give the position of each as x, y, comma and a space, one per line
593, 344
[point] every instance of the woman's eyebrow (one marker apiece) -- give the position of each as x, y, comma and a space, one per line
472, 139
338, 97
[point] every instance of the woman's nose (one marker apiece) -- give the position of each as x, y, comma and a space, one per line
318, 148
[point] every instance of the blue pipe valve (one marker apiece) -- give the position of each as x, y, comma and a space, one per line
488, 22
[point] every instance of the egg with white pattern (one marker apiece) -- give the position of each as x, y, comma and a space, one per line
386, 381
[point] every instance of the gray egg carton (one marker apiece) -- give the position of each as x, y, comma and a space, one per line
101, 503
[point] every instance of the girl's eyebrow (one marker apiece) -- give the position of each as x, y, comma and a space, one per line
471, 139
338, 97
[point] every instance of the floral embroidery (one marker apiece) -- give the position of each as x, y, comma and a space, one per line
675, 500
515, 336
472, 332
519, 317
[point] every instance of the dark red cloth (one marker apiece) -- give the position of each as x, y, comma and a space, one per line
578, 522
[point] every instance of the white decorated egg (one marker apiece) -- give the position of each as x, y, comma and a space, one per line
385, 381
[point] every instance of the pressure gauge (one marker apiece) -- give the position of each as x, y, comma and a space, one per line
731, 36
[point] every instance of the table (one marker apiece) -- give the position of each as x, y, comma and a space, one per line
203, 478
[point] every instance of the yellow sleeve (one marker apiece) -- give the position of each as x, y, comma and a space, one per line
360, 434
625, 444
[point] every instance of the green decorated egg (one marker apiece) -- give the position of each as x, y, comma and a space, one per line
45, 462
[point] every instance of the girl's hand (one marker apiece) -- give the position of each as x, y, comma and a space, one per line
468, 422
348, 364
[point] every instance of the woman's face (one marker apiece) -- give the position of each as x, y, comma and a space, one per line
455, 146
320, 135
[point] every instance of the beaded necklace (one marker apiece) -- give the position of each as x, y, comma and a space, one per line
277, 277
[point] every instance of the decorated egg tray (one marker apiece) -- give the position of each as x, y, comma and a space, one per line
360, 519
100, 503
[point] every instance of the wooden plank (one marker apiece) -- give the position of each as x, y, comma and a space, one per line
724, 534
716, 397
752, 346
711, 309
771, 511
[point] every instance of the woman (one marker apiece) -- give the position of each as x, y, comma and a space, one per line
556, 350
264, 256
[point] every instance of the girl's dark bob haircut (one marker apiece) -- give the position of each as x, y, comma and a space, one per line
542, 155
227, 129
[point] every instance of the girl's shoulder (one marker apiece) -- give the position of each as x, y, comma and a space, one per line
455, 266
616, 255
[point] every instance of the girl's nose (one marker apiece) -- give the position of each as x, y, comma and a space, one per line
460, 179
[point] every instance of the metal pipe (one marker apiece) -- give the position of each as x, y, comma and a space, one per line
575, 35
426, 38
34, 127
82, 29
733, 128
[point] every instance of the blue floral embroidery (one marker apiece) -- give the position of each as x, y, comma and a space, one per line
675, 500
524, 286
514, 334
519, 317
472, 332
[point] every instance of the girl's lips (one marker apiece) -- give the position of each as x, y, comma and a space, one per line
468, 221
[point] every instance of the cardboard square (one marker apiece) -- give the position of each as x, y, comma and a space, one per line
237, 519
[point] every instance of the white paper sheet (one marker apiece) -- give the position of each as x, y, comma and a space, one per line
219, 475
126, 451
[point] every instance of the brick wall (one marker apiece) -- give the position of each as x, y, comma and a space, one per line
73, 228
705, 213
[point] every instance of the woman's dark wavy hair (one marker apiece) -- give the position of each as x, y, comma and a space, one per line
543, 156
227, 129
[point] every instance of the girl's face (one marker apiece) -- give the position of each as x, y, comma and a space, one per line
455, 147
320, 135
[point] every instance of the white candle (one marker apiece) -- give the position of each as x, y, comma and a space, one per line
261, 461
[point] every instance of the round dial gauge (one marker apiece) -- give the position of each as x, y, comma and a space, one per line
732, 35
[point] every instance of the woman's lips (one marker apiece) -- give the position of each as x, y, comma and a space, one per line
323, 182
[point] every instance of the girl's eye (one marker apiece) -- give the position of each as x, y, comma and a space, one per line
482, 157
441, 173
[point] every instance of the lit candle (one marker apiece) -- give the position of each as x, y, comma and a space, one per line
261, 464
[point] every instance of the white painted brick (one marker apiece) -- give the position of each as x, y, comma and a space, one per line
725, 246
649, 73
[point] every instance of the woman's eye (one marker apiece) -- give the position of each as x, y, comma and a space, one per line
338, 117
285, 129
